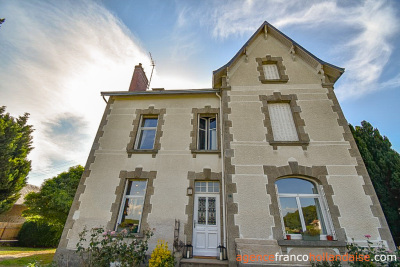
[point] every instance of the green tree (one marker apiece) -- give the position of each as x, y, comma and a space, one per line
2, 20
47, 210
15, 145
383, 165
53, 201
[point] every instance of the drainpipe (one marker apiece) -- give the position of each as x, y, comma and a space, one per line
222, 168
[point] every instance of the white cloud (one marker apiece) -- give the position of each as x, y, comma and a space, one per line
57, 60
367, 48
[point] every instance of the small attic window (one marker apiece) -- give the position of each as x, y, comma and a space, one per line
271, 70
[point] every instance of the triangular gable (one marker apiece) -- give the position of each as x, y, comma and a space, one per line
331, 72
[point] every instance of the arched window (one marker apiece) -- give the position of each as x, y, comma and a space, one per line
302, 208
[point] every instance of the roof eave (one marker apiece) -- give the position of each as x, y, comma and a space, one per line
163, 92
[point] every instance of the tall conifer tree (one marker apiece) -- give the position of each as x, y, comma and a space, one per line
15, 145
383, 165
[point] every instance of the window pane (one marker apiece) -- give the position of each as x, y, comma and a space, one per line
212, 220
295, 186
213, 123
283, 127
202, 139
210, 187
312, 214
201, 187
132, 213
213, 140
136, 188
149, 122
202, 123
271, 71
146, 140
290, 213
201, 215
216, 187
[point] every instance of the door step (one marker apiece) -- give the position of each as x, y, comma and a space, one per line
202, 262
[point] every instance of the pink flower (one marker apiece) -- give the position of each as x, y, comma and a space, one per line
124, 231
113, 233
367, 236
105, 233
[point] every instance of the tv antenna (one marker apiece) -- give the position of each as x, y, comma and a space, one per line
151, 75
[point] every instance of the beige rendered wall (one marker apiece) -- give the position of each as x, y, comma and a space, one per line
172, 164
327, 147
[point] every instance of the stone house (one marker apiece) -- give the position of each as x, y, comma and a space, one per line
11, 221
253, 163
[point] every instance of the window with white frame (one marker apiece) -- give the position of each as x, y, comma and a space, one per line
207, 134
206, 187
282, 123
146, 133
271, 72
132, 206
301, 207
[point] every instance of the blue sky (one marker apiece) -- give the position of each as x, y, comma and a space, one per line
57, 56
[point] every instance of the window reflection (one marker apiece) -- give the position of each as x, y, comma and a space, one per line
132, 202
300, 206
207, 133
291, 217
295, 186
147, 133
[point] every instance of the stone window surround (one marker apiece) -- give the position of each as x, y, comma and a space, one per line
193, 177
207, 110
316, 174
133, 134
277, 97
139, 174
268, 59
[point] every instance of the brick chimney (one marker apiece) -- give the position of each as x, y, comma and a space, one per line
139, 80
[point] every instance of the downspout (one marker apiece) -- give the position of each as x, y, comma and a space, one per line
222, 168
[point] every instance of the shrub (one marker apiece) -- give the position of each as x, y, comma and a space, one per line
106, 247
161, 256
38, 233
355, 249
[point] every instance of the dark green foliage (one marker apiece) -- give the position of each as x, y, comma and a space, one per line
55, 197
15, 145
48, 209
39, 233
383, 165
2, 20
105, 247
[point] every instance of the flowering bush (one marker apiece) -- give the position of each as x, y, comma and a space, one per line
161, 256
106, 247
385, 257
384, 254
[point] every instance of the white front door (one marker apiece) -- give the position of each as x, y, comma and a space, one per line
206, 230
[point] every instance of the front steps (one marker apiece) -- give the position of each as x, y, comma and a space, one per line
202, 262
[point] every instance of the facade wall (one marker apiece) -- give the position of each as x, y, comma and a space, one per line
173, 165
325, 154
327, 148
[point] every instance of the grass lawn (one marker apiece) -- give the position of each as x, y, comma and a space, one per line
32, 255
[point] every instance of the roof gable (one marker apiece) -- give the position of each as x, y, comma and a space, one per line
329, 71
